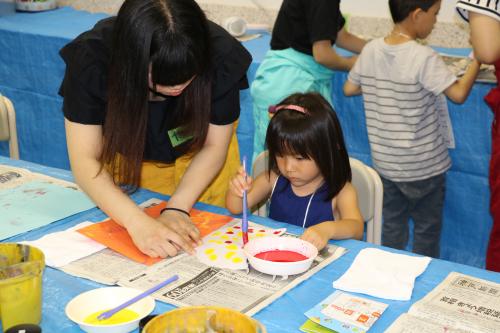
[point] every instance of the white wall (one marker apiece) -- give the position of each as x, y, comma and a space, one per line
380, 8
370, 8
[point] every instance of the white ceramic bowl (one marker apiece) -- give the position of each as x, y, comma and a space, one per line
259, 245
99, 299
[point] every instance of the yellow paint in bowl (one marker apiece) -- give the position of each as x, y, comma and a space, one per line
120, 317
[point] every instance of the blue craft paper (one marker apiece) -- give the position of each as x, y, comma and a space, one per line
38, 203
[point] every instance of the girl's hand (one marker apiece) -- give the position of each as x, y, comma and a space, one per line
240, 183
318, 235
158, 239
183, 226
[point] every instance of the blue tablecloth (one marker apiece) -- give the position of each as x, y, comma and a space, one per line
283, 316
31, 71
30, 74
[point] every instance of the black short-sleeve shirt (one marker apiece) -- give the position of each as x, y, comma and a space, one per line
300, 23
84, 86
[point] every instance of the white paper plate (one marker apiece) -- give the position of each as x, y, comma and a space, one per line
264, 244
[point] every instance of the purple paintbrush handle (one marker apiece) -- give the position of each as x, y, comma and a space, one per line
244, 219
109, 313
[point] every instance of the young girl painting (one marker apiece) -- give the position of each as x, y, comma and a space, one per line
308, 177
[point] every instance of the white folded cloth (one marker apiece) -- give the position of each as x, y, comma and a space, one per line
62, 247
382, 274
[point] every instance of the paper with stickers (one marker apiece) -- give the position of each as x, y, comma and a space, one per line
346, 313
223, 248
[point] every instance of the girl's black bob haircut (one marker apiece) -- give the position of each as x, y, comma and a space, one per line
315, 134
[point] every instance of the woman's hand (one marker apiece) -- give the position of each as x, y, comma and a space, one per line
157, 239
240, 183
318, 234
183, 226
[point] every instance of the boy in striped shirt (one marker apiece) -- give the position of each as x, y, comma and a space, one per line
402, 82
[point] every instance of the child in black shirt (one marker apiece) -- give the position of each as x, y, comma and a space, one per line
301, 58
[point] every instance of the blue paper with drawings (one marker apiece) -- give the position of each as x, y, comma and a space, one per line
37, 203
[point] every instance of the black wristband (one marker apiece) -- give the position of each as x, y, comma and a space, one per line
176, 209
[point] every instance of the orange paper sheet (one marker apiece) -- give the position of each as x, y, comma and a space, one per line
117, 238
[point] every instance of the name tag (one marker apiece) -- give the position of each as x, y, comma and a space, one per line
176, 138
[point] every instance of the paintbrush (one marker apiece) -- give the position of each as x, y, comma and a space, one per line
244, 219
110, 313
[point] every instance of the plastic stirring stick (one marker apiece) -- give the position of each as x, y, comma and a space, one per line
244, 220
109, 313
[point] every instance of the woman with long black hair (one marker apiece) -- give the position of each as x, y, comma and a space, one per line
151, 99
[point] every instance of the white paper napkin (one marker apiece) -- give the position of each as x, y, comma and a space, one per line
382, 274
62, 247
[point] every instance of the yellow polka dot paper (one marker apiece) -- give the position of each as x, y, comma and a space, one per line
223, 248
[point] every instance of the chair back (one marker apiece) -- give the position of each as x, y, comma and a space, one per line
368, 186
258, 166
8, 131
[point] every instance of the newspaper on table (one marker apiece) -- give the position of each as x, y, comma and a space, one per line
11, 177
105, 266
198, 284
461, 303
